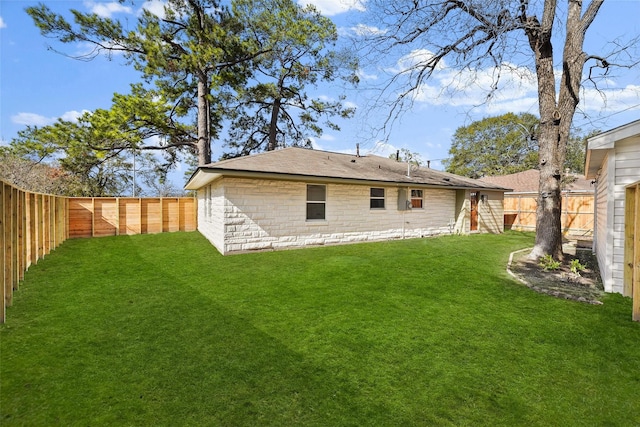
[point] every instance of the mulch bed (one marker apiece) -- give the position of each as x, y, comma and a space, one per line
562, 283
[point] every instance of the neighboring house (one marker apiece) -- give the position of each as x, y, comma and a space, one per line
613, 160
296, 197
528, 181
520, 204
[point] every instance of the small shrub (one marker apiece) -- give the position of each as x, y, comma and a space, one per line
577, 267
548, 263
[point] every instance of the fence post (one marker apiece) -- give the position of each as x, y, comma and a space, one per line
2, 253
8, 254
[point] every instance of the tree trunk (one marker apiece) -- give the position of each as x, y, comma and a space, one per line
556, 118
273, 125
548, 226
204, 129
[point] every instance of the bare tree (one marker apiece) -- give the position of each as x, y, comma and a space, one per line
473, 35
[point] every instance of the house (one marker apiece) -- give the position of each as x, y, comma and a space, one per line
296, 197
528, 181
520, 205
613, 161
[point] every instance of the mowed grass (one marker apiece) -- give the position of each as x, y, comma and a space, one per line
162, 330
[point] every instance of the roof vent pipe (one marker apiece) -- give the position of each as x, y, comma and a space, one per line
357, 150
397, 155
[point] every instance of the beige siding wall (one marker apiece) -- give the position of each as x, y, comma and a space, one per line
627, 164
603, 234
491, 212
620, 168
270, 214
463, 210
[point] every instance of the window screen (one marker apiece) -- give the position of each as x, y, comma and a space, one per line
376, 198
316, 201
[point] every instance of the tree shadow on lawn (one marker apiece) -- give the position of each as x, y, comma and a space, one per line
152, 349
164, 347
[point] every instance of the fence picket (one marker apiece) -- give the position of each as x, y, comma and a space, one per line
577, 212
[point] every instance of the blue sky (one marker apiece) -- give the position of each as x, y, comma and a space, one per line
38, 86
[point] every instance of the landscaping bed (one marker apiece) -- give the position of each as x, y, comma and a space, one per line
582, 284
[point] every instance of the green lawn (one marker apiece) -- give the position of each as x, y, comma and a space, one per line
162, 330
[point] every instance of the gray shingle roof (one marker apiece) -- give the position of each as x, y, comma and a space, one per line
293, 162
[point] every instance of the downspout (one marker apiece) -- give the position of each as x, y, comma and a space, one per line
404, 215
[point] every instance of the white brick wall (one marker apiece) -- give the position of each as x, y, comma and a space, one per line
249, 214
211, 213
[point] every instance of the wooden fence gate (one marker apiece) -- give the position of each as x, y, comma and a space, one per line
632, 247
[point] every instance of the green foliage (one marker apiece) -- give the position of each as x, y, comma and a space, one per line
161, 329
95, 154
189, 55
577, 150
405, 155
298, 51
505, 144
548, 263
204, 65
494, 146
576, 266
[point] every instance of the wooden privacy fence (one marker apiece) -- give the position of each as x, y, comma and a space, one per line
34, 224
577, 212
112, 216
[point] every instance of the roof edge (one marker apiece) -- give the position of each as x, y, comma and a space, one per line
199, 179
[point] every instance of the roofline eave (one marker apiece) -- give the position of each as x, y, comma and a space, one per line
205, 175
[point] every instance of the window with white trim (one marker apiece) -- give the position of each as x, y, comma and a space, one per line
416, 199
316, 201
376, 198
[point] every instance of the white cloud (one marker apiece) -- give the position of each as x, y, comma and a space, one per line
616, 99
349, 104
334, 7
86, 49
516, 90
73, 116
364, 76
106, 10
2, 24
383, 149
325, 137
345, 104
408, 62
32, 119
367, 30
156, 7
